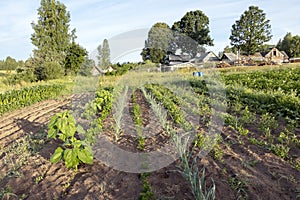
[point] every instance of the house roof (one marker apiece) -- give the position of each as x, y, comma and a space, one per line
230, 56
285, 55
203, 56
183, 58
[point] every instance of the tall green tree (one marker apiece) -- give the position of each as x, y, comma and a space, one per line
251, 31
192, 32
290, 44
51, 39
158, 43
75, 56
104, 55
87, 66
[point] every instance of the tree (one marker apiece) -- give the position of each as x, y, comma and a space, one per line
296, 46
250, 31
51, 38
75, 56
192, 32
158, 43
104, 55
290, 44
227, 49
87, 66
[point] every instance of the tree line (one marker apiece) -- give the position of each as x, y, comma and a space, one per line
188, 36
56, 52
11, 64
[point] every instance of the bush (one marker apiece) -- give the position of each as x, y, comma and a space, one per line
49, 70
23, 74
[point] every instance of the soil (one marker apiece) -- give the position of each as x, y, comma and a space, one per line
245, 170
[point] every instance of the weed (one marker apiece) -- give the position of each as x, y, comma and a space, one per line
38, 179
249, 163
280, 150
267, 123
239, 186
257, 142
5, 193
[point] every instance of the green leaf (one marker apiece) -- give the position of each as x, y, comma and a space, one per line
70, 130
80, 130
57, 156
86, 155
52, 122
52, 133
70, 157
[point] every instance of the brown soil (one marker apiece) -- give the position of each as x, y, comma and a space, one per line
255, 171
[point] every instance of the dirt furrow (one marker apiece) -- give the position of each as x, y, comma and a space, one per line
31, 122
8, 119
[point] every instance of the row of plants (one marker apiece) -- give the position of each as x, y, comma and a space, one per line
14, 99
285, 80
77, 142
169, 101
277, 103
138, 120
96, 111
188, 165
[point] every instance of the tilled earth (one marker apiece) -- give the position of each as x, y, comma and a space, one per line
245, 170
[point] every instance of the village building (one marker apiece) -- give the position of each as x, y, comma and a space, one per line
173, 59
207, 57
229, 58
271, 56
275, 56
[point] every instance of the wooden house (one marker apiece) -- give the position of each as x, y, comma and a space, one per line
276, 56
229, 58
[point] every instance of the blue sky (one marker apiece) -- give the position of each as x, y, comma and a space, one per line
99, 19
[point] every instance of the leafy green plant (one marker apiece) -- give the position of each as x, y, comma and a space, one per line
240, 186
147, 193
257, 142
267, 123
96, 111
73, 151
280, 150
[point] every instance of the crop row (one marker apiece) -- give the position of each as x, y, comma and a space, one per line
285, 80
15, 99
169, 101
278, 103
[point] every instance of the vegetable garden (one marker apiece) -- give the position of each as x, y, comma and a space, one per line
244, 125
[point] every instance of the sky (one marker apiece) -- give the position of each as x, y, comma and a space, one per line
125, 22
